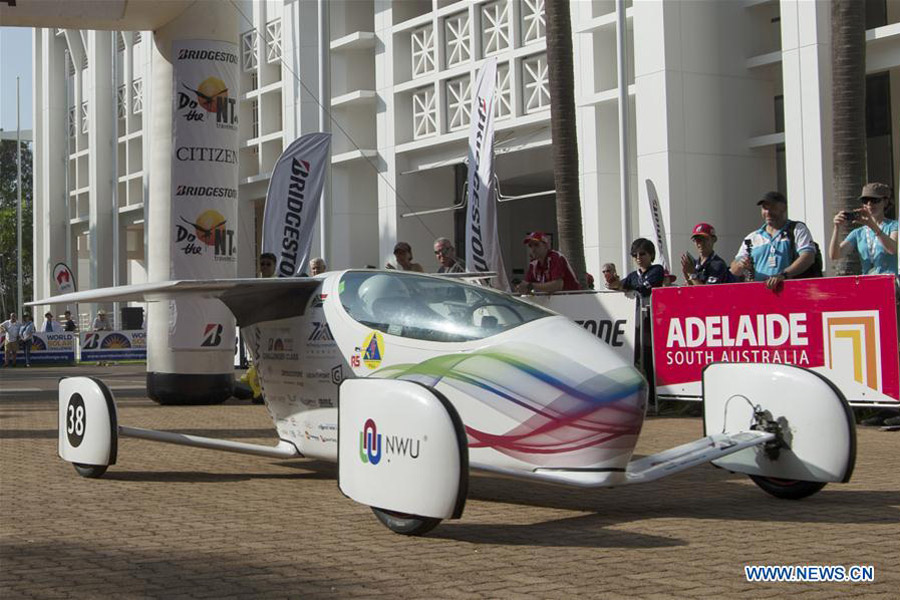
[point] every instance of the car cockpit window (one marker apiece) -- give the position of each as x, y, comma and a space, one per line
431, 308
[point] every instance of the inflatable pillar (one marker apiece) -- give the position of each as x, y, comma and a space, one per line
192, 213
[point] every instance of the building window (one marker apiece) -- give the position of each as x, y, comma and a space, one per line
254, 80
120, 42
84, 117
71, 121
254, 117
121, 109
533, 26
458, 103
137, 38
456, 39
424, 113
273, 41
248, 50
422, 45
503, 96
535, 83
137, 96
495, 27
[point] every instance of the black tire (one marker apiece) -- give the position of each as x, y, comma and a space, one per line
787, 489
405, 524
90, 471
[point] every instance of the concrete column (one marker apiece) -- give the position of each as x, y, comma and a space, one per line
179, 375
50, 160
806, 71
98, 93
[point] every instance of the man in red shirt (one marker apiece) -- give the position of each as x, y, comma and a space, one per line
548, 271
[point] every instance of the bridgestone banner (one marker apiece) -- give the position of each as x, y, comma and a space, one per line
292, 202
204, 187
482, 241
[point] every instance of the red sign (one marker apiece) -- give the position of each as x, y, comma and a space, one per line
842, 327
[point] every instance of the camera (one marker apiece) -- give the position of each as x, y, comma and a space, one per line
852, 216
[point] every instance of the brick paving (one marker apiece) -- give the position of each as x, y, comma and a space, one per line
176, 522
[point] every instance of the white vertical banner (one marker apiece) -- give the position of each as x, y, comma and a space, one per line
659, 227
292, 202
482, 240
204, 187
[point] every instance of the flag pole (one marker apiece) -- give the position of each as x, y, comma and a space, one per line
18, 206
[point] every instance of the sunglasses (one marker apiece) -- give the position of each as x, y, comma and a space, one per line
636, 254
267, 264
871, 200
442, 251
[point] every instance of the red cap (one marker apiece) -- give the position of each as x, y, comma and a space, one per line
704, 229
536, 236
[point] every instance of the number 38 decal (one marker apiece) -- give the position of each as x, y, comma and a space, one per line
75, 420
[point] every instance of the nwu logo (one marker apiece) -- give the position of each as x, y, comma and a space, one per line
370, 443
212, 335
370, 448
321, 333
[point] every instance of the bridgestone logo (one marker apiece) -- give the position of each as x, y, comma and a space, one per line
187, 54
477, 259
204, 154
206, 191
290, 240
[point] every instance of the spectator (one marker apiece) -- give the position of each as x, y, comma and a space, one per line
101, 323
446, 256
50, 325
27, 335
267, 263
876, 240
548, 271
403, 255
707, 267
610, 274
772, 245
13, 329
317, 266
647, 275
68, 323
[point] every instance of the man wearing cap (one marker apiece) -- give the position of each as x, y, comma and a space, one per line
404, 257
49, 325
876, 240
548, 271
101, 323
708, 267
771, 251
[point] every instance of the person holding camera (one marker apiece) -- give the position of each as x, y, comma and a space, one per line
876, 240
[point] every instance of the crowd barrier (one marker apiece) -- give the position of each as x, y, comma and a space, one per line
90, 346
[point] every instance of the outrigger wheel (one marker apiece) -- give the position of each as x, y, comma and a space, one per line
787, 489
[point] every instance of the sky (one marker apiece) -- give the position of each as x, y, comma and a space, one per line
15, 59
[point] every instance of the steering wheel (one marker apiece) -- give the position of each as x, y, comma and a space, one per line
470, 313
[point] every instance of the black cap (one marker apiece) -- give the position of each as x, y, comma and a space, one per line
773, 197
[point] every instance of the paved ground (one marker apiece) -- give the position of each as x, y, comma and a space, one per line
169, 521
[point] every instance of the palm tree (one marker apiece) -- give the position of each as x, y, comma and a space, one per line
562, 127
848, 58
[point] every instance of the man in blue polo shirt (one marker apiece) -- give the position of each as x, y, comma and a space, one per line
770, 245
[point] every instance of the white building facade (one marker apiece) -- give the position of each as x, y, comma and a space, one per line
725, 101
